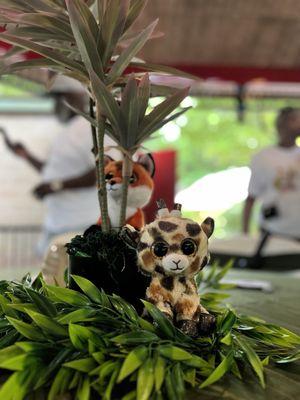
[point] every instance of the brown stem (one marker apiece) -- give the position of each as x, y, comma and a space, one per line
102, 194
127, 172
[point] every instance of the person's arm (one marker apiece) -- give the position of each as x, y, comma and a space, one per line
248, 206
85, 180
21, 151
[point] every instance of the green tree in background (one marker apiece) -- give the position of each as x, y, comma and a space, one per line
210, 138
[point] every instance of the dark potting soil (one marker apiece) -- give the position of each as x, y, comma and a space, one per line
107, 261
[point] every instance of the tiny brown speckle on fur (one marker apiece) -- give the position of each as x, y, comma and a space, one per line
167, 226
154, 232
174, 247
185, 306
193, 229
195, 265
147, 259
178, 237
167, 282
142, 246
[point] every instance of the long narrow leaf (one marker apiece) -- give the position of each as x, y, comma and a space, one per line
129, 109
113, 26
108, 104
126, 56
220, 371
143, 95
84, 38
136, 7
162, 110
252, 358
44, 51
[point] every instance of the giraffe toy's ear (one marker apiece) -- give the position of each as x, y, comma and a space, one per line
130, 236
208, 226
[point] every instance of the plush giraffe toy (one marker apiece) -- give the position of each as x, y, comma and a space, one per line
173, 249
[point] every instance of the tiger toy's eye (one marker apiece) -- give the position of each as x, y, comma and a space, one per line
160, 249
188, 247
133, 178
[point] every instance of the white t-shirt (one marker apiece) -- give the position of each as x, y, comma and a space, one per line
70, 157
275, 181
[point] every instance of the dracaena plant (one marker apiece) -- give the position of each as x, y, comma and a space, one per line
92, 42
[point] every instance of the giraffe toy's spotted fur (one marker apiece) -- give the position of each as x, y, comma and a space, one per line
173, 250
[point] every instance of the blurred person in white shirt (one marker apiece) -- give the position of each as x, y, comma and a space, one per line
68, 178
275, 180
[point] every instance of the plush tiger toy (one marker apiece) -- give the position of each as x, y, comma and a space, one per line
173, 249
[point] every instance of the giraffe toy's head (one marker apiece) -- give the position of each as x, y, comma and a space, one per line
172, 245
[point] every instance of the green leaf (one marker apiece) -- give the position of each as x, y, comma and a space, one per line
5, 305
199, 363
136, 7
133, 361
10, 352
126, 56
145, 380
177, 377
88, 288
113, 26
83, 391
227, 339
129, 109
159, 372
218, 373
161, 111
174, 353
165, 326
228, 321
27, 330
80, 315
47, 21
109, 388
190, 376
143, 94
44, 51
42, 302
82, 365
68, 296
109, 106
17, 363
84, 37
135, 338
79, 336
60, 383
48, 325
253, 358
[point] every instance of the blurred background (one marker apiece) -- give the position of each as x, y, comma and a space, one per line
247, 62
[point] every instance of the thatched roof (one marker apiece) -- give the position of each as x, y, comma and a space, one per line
256, 34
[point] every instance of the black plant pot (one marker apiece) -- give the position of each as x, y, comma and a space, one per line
112, 265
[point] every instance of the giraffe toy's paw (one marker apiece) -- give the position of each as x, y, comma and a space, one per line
206, 324
188, 327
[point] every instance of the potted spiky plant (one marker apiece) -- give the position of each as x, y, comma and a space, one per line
92, 42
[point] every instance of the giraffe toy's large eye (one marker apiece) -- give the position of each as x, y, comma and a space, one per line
188, 247
160, 249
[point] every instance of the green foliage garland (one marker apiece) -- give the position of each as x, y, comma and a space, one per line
57, 341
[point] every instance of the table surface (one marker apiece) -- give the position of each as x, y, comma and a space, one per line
281, 307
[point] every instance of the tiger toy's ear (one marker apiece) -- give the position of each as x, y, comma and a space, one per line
130, 236
147, 161
107, 159
208, 226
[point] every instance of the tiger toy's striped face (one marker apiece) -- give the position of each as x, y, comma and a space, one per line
174, 246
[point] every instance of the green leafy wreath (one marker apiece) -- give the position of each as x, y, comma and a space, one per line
56, 341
